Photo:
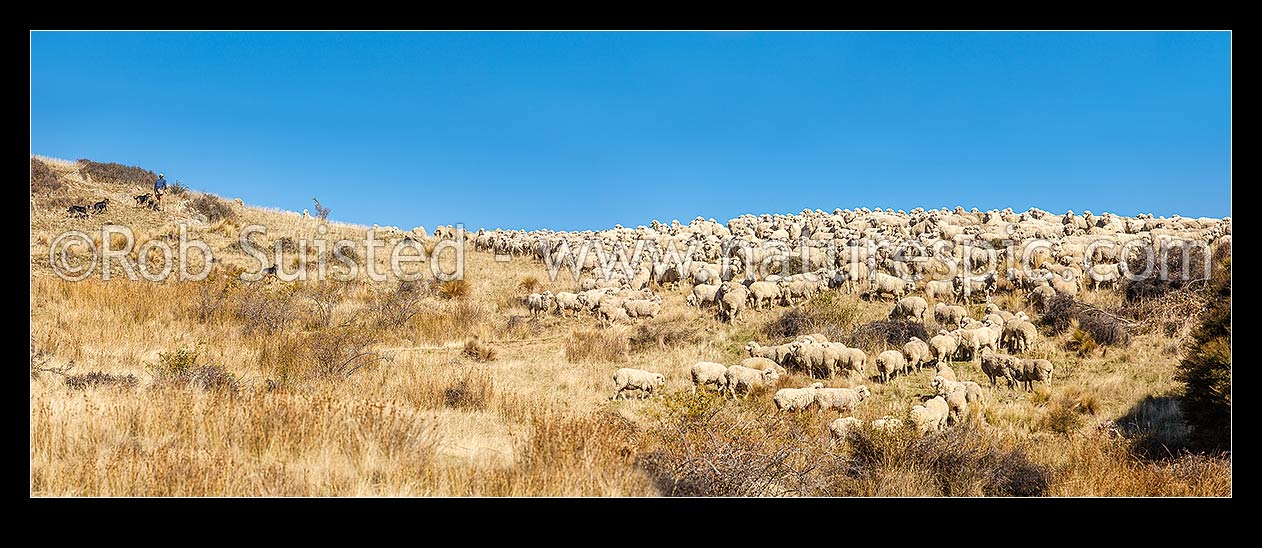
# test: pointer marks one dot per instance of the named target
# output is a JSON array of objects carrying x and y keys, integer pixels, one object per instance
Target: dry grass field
[{"x": 368, "y": 388}]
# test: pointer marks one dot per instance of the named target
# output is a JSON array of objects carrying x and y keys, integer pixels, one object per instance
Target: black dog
[
  {"x": 143, "y": 199},
  {"x": 100, "y": 206},
  {"x": 77, "y": 211}
]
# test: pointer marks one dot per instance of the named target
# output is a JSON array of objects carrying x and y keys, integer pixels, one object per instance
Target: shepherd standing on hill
[{"x": 159, "y": 188}]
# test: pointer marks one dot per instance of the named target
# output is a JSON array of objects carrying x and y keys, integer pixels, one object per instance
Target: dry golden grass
[{"x": 368, "y": 388}]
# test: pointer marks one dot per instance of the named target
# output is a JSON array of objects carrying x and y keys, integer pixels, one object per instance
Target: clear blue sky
[{"x": 585, "y": 130}]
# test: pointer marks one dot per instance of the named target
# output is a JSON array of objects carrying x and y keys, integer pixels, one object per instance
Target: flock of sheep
[
  {"x": 954, "y": 255},
  {"x": 747, "y": 263},
  {"x": 815, "y": 353}
]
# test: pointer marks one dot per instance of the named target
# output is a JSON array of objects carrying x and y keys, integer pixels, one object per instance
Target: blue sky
[{"x": 585, "y": 130}]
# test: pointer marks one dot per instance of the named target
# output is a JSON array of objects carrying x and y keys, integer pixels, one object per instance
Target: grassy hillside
[{"x": 224, "y": 387}]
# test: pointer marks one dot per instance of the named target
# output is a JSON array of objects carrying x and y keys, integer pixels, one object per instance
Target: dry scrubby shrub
[
  {"x": 673, "y": 331},
  {"x": 1090, "y": 327},
  {"x": 1057, "y": 314},
  {"x": 959, "y": 461},
  {"x": 213, "y": 208},
  {"x": 264, "y": 310},
  {"x": 596, "y": 345},
  {"x": 477, "y": 350},
  {"x": 703, "y": 448},
  {"x": 473, "y": 390},
  {"x": 826, "y": 313},
  {"x": 177, "y": 188},
  {"x": 323, "y": 297},
  {"x": 337, "y": 353},
  {"x": 179, "y": 369},
  {"x": 1152, "y": 285},
  {"x": 44, "y": 180},
  {"x": 883, "y": 334},
  {"x": 392, "y": 308},
  {"x": 98, "y": 378},
  {"x": 114, "y": 173}
]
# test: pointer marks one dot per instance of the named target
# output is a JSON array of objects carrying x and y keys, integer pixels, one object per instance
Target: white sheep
[
  {"x": 917, "y": 353},
  {"x": 943, "y": 370},
  {"x": 930, "y": 416},
  {"x": 958, "y": 395},
  {"x": 942, "y": 347},
  {"x": 1035, "y": 370},
  {"x": 949, "y": 315},
  {"x": 628, "y": 378},
  {"x": 568, "y": 302},
  {"x": 796, "y": 399},
  {"x": 890, "y": 362},
  {"x": 703, "y": 294},
  {"x": 777, "y": 353},
  {"x": 539, "y": 303},
  {"x": 910, "y": 308},
  {"x": 764, "y": 294},
  {"x": 996, "y": 366},
  {"x": 641, "y": 309},
  {"x": 763, "y": 364},
  {"x": 704, "y": 373},
  {"x": 841, "y": 398},
  {"x": 887, "y": 423},
  {"x": 738, "y": 376},
  {"x": 842, "y": 426}
]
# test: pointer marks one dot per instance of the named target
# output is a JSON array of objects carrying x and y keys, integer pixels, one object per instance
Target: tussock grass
[{"x": 597, "y": 345}]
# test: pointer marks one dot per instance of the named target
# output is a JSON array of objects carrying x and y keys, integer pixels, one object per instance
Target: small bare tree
[{"x": 322, "y": 212}]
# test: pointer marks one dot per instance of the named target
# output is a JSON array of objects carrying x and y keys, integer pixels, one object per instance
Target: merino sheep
[
  {"x": 887, "y": 423},
  {"x": 910, "y": 308},
  {"x": 1035, "y": 370},
  {"x": 930, "y": 416},
  {"x": 539, "y": 303},
  {"x": 779, "y": 353},
  {"x": 763, "y": 364},
  {"x": 996, "y": 366},
  {"x": 1041, "y": 296},
  {"x": 732, "y": 298},
  {"x": 943, "y": 370},
  {"x": 938, "y": 289},
  {"x": 975, "y": 340},
  {"x": 890, "y": 362},
  {"x": 739, "y": 376},
  {"x": 796, "y": 399},
  {"x": 917, "y": 353},
  {"x": 949, "y": 315},
  {"x": 641, "y": 309},
  {"x": 628, "y": 378},
  {"x": 703, "y": 294},
  {"x": 853, "y": 359},
  {"x": 842, "y": 426},
  {"x": 943, "y": 346},
  {"x": 884, "y": 284},
  {"x": 704, "y": 373},
  {"x": 841, "y": 398},
  {"x": 568, "y": 302},
  {"x": 815, "y": 357},
  {"x": 764, "y": 294}
]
